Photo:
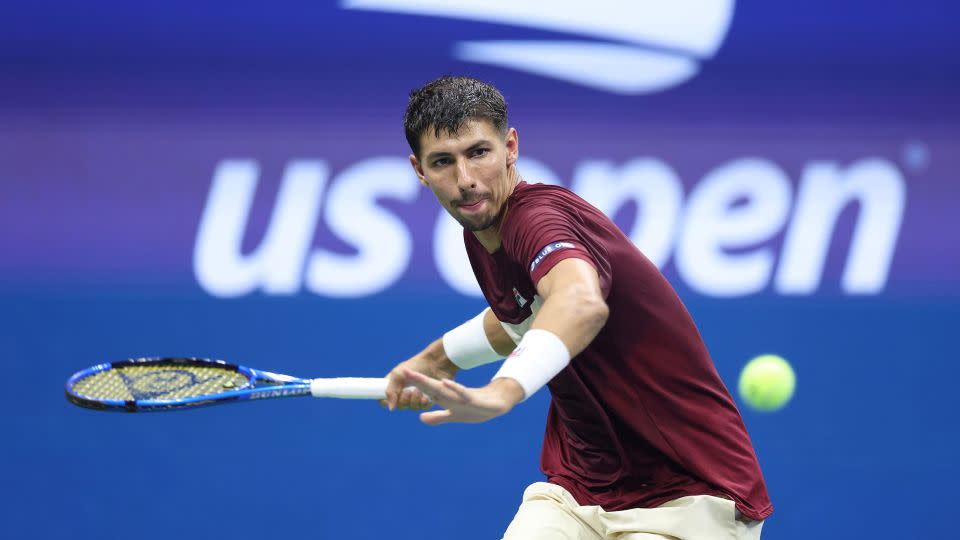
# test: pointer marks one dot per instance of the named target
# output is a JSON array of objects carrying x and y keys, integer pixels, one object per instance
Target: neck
[{"x": 489, "y": 238}]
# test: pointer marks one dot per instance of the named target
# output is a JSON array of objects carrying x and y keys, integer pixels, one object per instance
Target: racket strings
[{"x": 158, "y": 382}]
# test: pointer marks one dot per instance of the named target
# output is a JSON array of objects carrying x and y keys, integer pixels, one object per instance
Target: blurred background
[{"x": 230, "y": 180}]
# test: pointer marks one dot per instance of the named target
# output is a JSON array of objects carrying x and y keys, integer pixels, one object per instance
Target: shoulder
[
  {"x": 527, "y": 194},
  {"x": 533, "y": 202},
  {"x": 538, "y": 214}
]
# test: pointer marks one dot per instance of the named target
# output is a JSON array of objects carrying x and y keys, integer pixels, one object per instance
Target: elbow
[
  {"x": 599, "y": 312},
  {"x": 592, "y": 311}
]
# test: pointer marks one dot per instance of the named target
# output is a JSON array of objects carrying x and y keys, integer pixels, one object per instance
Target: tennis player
[{"x": 643, "y": 440}]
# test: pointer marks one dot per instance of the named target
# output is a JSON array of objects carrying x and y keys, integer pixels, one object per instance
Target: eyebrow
[{"x": 434, "y": 155}]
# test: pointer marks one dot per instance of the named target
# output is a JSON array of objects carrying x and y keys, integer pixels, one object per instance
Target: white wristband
[
  {"x": 537, "y": 359},
  {"x": 467, "y": 345}
]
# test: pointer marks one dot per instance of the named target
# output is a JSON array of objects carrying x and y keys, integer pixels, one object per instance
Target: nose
[{"x": 465, "y": 180}]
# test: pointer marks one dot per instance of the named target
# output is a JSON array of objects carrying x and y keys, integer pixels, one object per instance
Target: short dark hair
[{"x": 444, "y": 105}]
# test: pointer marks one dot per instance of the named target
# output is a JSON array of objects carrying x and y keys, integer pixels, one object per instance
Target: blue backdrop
[{"x": 230, "y": 181}]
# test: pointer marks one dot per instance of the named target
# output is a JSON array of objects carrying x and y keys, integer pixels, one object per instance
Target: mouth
[{"x": 471, "y": 205}]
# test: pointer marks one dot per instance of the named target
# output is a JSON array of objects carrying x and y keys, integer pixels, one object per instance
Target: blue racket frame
[{"x": 260, "y": 384}]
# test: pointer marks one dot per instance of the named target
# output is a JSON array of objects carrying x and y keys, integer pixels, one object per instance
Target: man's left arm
[
  {"x": 572, "y": 314},
  {"x": 573, "y": 307}
]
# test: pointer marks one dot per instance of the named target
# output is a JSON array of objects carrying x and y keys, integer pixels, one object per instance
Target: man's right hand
[{"x": 433, "y": 363}]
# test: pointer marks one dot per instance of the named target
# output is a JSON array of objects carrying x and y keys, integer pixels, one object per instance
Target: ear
[
  {"x": 512, "y": 143},
  {"x": 415, "y": 163}
]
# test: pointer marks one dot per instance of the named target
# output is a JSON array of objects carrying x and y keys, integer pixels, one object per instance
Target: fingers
[
  {"x": 430, "y": 387},
  {"x": 395, "y": 384},
  {"x": 418, "y": 400},
  {"x": 404, "y": 402},
  {"x": 459, "y": 389},
  {"x": 460, "y": 404},
  {"x": 435, "y": 418},
  {"x": 438, "y": 391},
  {"x": 410, "y": 398},
  {"x": 425, "y": 402},
  {"x": 408, "y": 389},
  {"x": 399, "y": 395}
]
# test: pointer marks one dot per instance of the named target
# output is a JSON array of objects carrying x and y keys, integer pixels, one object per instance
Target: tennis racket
[{"x": 166, "y": 384}]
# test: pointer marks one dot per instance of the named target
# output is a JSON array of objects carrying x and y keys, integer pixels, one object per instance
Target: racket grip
[{"x": 349, "y": 388}]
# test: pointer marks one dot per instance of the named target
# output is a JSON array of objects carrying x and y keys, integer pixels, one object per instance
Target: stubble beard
[
  {"x": 487, "y": 222},
  {"x": 475, "y": 227}
]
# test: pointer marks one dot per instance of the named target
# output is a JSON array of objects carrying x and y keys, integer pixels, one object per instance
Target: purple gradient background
[{"x": 112, "y": 120}]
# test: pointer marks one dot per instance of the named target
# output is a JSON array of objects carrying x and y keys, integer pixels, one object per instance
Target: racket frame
[{"x": 260, "y": 384}]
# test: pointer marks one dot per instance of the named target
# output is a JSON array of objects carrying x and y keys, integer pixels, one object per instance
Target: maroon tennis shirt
[{"x": 640, "y": 417}]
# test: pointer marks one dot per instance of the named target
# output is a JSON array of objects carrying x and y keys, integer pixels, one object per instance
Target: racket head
[{"x": 158, "y": 384}]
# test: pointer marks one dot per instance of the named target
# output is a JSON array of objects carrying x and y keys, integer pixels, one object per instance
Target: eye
[
  {"x": 480, "y": 152},
  {"x": 440, "y": 162}
]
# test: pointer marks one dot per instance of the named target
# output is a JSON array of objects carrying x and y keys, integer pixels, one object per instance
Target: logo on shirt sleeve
[{"x": 550, "y": 248}]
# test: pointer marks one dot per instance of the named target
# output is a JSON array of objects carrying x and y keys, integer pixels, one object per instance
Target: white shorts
[{"x": 549, "y": 512}]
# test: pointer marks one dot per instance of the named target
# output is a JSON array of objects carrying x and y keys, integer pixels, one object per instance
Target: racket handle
[{"x": 349, "y": 388}]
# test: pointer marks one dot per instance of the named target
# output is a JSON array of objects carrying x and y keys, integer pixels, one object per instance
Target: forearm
[
  {"x": 481, "y": 340},
  {"x": 436, "y": 362},
  {"x": 575, "y": 315},
  {"x": 496, "y": 335}
]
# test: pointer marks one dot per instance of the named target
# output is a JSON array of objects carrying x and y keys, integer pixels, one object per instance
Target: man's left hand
[{"x": 462, "y": 404}]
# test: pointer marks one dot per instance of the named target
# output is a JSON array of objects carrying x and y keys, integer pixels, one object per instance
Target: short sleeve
[{"x": 538, "y": 236}]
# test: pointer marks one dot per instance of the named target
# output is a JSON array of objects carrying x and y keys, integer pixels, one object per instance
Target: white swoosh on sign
[
  {"x": 694, "y": 27},
  {"x": 614, "y": 68}
]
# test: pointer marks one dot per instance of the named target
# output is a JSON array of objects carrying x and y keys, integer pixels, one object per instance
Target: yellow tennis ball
[{"x": 767, "y": 383}]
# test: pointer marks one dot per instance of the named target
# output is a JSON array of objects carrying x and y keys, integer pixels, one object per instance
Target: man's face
[{"x": 468, "y": 171}]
